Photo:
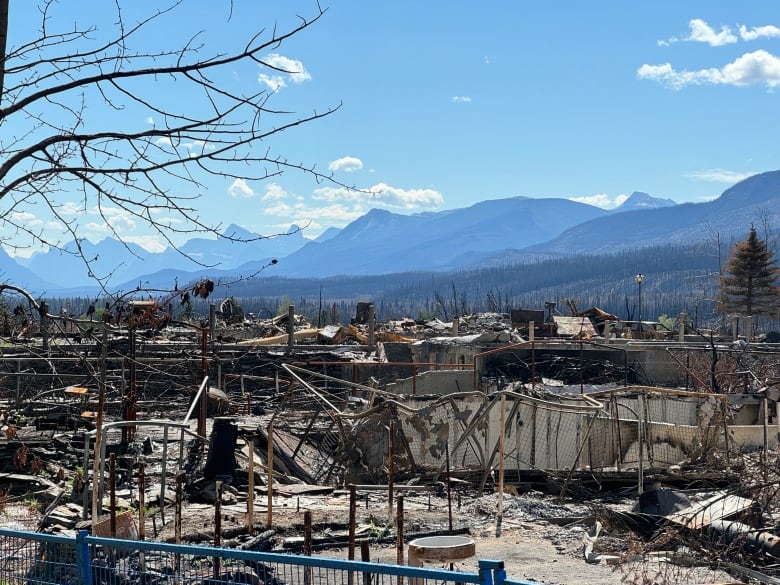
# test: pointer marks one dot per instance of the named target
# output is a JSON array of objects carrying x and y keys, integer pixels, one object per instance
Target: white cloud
[
  {"x": 348, "y": 164},
  {"x": 701, "y": 32},
  {"x": 279, "y": 208},
  {"x": 335, "y": 206},
  {"x": 461, "y": 99},
  {"x": 756, "y": 32},
  {"x": 109, "y": 221},
  {"x": 240, "y": 188},
  {"x": 149, "y": 243},
  {"x": 602, "y": 200},
  {"x": 298, "y": 212},
  {"x": 408, "y": 198},
  {"x": 194, "y": 145},
  {"x": 335, "y": 214},
  {"x": 26, "y": 218},
  {"x": 383, "y": 195},
  {"x": 282, "y": 70},
  {"x": 274, "y": 192},
  {"x": 756, "y": 68},
  {"x": 488, "y": 61},
  {"x": 719, "y": 176}
]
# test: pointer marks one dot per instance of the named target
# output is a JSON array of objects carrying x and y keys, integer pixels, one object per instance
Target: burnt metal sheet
[
  {"x": 716, "y": 507},
  {"x": 598, "y": 313},
  {"x": 574, "y": 326},
  {"x": 295, "y": 489},
  {"x": 526, "y": 316}
]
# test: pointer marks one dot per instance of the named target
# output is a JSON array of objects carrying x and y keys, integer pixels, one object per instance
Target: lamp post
[{"x": 638, "y": 279}]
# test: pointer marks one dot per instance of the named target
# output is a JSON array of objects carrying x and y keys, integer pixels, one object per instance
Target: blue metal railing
[{"x": 32, "y": 558}]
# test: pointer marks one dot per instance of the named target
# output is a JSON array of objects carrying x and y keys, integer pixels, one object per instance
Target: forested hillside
[{"x": 677, "y": 278}]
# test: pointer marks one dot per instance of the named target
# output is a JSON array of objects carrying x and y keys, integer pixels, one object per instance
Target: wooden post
[
  {"x": 141, "y": 501},
  {"x": 97, "y": 503},
  {"x": 390, "y": 468},
  {"x": 130, "y": 405},
  {"x": 250, "y": 490},
  {"x": 44, "y": 319},
  {"x": 765, "y": 454},
  {"x": 641, "y": 437},
  {"x": 307, "y": 533},
  {"x": 290, "y": 328},
  {"x": 501, "y": 433},
  {"x": 177, "y": 509},
  {"x": 112, "y": 492},
  {"x": 164, "y": 472},
  {"x": 352, "y": 521},
  {"x": 449, "y": 483},
  {"x": 365, "y": 556},
  {"x": 204, "y": 397},
  {"x": 371, "y": 326},
  {"x": 217, "y": 525},
  {"x": 270, "y": 476},
  {"x": 307, "y": 545},
  {"x": 399, "y": 544},
  {"x": 177, "y": 517}
]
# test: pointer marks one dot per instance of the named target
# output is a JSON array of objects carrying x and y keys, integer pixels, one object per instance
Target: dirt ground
[
  {"x": 542, "y": 552},
  {"x": 533, "y": 549},
  {"x": 547, "y": 554}
]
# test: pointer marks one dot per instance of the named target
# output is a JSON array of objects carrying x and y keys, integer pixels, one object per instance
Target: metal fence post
[
  {"x": 491, "y": 572},
  {"x": 83, "y": 560}
]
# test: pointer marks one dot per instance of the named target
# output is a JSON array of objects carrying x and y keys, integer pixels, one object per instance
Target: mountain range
[{"x": 515, "y": 229}]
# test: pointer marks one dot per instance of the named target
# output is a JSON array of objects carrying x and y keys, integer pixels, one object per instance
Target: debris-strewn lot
[{"x": 617, "y": 484}]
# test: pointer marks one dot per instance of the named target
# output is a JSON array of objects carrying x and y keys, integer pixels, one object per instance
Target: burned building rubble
[{"x": 567, "y": 405}]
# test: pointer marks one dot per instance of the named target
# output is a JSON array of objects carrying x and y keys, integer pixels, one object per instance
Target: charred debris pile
[{"x": 140, "y": 425}]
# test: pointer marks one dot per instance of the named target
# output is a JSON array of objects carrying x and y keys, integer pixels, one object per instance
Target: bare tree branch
[{"x": 55, "y": 157}]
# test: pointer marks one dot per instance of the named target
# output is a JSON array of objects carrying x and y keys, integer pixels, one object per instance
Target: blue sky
[{"x": 444, "y": 104}]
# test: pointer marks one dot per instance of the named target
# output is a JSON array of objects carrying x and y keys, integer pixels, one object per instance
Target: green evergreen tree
[{"x": 748, "y": 284}]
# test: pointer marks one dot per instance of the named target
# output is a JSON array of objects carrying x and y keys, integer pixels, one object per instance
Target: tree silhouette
[
  {"x": 748, "y": 284},
  {"x": 101, "y": 114}
]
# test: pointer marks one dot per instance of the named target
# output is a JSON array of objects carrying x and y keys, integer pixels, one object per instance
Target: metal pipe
[
  {"x": 397, "y": 487},
  {"x": 196, "y": 400}
]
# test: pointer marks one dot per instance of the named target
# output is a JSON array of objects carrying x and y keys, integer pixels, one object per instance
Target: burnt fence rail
[{"x": 33, "y": 558}]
